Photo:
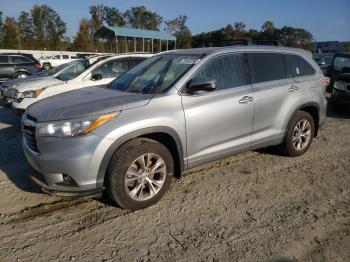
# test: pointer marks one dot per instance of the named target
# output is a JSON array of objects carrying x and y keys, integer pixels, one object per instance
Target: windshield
[
  {"x": 156, "y": 74},
  {"x": 341, "y": 62},
  {"x": 72, "y": 72}
]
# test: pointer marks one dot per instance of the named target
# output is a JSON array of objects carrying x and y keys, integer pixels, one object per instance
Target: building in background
[{"x": 331, "y": 47}]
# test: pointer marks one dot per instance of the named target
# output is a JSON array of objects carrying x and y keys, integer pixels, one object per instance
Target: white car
[
  {"x": 74, "y": 77},
  {"x": 42, "y": 78},
  {"x": 56, "y": 60}
]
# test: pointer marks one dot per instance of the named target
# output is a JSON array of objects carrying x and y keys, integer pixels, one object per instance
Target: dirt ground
[{"x": 257, "y": 206}]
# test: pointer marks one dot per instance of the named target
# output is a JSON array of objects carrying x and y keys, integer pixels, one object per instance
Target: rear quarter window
[
  {"x": 4, "y": 59},
  {"x": 267, "y": 67},
  {"x": 20, "y": 59},
  {"x": 298, "y": 66}
]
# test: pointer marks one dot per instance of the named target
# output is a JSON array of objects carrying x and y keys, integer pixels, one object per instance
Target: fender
[
  {"x": 309, "y": 104},
  {"x": 141, "y": 132}
]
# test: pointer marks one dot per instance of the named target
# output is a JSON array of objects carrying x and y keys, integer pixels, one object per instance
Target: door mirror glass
[
  {"x": 201, "y": 84},
  {"x": 96, "y": 77}
]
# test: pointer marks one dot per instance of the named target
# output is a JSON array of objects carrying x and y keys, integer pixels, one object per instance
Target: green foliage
[
  {"x": 287, "y": 36},
  {"x": 11, "y": 34},
  {"x": 114, "y": 17},
  {"x": 98, "y": 16},
  {"x": 179, "y": 29},
  {"x": 48, "y": 28},
  {"x": 84, "y": 40},
  {"x": 141, "y": 17},
  {"x": 25, "y": 27}
]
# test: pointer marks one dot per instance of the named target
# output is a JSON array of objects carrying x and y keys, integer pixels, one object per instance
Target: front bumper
[{"x": 77, "y": 158}]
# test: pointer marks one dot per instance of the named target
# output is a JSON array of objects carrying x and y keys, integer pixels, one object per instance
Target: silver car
[{"x": 172, "y": 112}]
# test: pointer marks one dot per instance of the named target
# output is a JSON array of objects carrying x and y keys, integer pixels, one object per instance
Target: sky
[{"x": 326, "y": 20}]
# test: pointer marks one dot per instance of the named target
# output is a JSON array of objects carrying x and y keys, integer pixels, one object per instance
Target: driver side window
[
  {"x": 228, "y": 71},
  {"x": 111, "y": 69}
]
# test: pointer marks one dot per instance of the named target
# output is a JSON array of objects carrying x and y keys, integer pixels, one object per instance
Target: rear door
[
  {"x": 219, "y": 123},
  {"x": 276, "y": 93},
  {"x": 6, "y": 68},
  {"x": 23, "y": 63}
]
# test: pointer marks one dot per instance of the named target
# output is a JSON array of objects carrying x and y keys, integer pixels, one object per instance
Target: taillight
[
  {"x": 38, "y": 66},
  {"x": 325, "y": 81}
]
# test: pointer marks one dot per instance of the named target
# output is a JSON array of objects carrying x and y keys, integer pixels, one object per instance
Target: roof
[
  {"x": 209, "y": 50},
  {"x": 132, "y": 32}
]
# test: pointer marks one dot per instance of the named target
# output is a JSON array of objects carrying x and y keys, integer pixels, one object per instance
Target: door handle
[
  {"x": 246, "y": 100},
  {"x": 293, "y": 88}
]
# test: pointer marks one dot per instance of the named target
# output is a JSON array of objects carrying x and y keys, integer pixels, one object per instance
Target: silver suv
[{"x": 172, "y": 112}]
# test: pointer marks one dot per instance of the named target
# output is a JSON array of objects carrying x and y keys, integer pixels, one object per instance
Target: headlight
[
  {"x": 32, "y": 93},
  {"x": 74, "y": 127},
  {"x": 340, "y": 85}
]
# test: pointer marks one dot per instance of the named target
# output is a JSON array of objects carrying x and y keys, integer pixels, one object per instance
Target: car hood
[
  {"x": 37, "y": 83},
  {"x": 28, "y": 79},
  {"x": 85, "y": 102}
]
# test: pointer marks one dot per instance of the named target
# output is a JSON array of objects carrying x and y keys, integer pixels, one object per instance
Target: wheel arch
[
  {"x": 164, "y": 135},
  {"x": 313, "y": 109},
  {"x": 21, "y": 71}
]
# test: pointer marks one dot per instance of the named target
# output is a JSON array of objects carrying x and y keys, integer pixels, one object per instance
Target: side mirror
[
  {"x": 201, "y": 84},
  {"x": 96, "y": 77}
]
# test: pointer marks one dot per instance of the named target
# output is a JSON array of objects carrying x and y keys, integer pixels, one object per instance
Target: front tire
[
  {"x": 139, "y": 174},
  {"x": 299, "y": 135}
]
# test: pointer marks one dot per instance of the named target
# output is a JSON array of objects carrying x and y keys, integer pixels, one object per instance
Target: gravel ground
[{"x": 257, "y": 206}]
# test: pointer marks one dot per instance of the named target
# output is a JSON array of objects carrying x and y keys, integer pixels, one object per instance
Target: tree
[
  {"x": 239, "y": 29},
  {"x": 229, "y": 33},
  {"x": 49, "y": 29},
  {"x": 1, "y": 29},
  {"x": 114, "y": 17},
  {"x": 179, "y": 29},
  {"x": 25, "y": 27},
  {"x": 11, "y": 36},
  {"x": 141, "y": 17},
  {"x": 84, "y": 40},
  {"x": 98, "y": 16}
]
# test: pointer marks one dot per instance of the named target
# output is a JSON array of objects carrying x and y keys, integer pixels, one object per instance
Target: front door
[{"x": 219, "y": 123}]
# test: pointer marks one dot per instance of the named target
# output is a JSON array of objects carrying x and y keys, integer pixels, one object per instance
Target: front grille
[{"x": 28, "y": 130}]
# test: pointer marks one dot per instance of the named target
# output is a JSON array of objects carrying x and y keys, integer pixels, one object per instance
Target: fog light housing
[{"x": 67, "y": 181}]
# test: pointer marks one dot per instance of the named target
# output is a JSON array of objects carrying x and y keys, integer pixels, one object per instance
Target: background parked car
[
  {"x": 55, "y": 60},
  {"x": 74, "y": 77},
  {"x": 40, "y": 78},
  {"x": 17, "y": 66},
  {"x": 340, "y": 65},
  {"x": 340, "y": 98}
]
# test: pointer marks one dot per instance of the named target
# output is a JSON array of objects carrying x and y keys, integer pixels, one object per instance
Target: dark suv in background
[{"x": 17, "y": 66}]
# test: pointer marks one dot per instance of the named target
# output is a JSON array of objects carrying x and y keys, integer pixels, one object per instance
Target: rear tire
[
  {"x": 20, "y": 75},
  {"x": 47, "y": 66},
  {"x": 299, "y": 135},
  {"x": 130, "y": 181}
]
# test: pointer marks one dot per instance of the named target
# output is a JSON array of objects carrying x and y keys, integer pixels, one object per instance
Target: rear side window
[
  {"x": 297, "y": 66},
  {"x": 65, "y": 56},
  {"x": 134, "y": 62},
  {"x": 267, "y": 67},
  {"x": 4, "y": 59},
  {"x": 20, "y": 59},
  {"x": 228, "y": 71}
]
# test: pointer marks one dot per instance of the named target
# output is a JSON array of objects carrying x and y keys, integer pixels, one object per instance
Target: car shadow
[{"x": 12, "y": 160}]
